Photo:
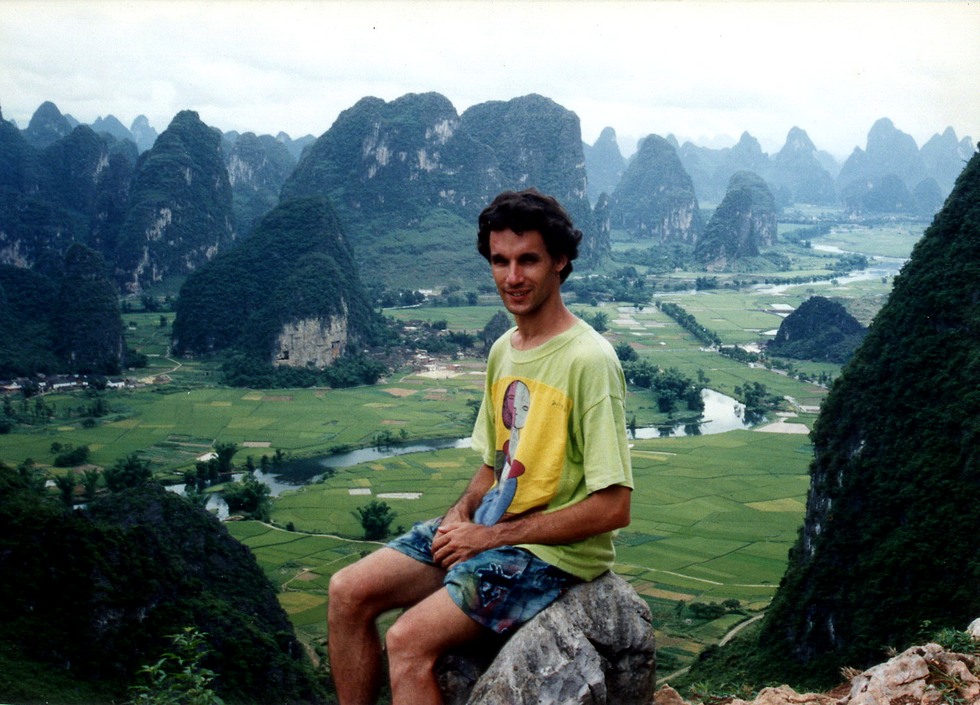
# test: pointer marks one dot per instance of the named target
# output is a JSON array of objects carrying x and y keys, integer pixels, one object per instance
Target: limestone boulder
[
  {"x": 593, "y": 646},
  {"x": 924, "y": 674}
]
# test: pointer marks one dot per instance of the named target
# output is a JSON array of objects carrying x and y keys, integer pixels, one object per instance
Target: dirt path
[{"x": 724, "y": 640}]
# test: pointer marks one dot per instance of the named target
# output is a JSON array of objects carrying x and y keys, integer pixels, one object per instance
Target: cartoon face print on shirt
[
  {"x": 516, "y": 407},
  {"x": 513, "y": 412},
  {"x": 531, "y": 436}
]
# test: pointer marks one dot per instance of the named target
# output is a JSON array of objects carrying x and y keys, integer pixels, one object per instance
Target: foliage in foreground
[{"x": 178, "y": 677}]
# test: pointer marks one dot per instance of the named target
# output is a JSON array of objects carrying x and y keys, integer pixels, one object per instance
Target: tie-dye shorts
[{"x": 501, "y": 588}]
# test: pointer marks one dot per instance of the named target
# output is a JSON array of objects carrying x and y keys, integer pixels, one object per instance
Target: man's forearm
[
  {"x": 602, "y": 511},
  {"x": 464, "y": 507}
]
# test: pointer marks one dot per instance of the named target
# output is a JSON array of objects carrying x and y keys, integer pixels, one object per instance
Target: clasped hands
[{"x": 457, "y": 540}]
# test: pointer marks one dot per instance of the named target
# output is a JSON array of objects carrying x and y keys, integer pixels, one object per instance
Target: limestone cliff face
[
  {"x": 311, "y": 341},
  {"x": 655, "y": 199},
  {"x": 290, "y": 294},
  {"x": 258, "y": 166}
]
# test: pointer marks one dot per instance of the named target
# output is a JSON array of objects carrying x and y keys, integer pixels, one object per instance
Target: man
[{"x": 539, "y": 514}]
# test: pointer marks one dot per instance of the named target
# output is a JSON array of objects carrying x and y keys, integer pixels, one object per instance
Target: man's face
[{"x": 526, "y": 276}]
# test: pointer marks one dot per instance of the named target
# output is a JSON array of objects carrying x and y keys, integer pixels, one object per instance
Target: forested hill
[
  {"x": 655, "y": 200},
  {"x": 742, "y": 226},
  {"x": 889, "y": 542},
  {"x": 820, "y": 329},
  {"x": 91, "y": 596},
  {"x": 408, "y": 178},
  {"x": 296, "y": 267},
  {"x": 62, "y": 317},
  {"x": 179, "y": 213}
]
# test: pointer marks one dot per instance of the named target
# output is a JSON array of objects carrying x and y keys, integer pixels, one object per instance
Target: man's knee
[
  {"x": 347, "y": 593},
  {"x": 405, "y": 643}
]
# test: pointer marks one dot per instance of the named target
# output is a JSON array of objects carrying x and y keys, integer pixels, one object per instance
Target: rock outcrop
[
  {"x": 594, "y": 645},
  {"x": 921, "y": 675},
  {"x": 312, "y": 341}
]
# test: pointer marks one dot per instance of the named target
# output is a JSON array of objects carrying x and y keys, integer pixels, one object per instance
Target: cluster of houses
[{"x": 42, "y": 384}]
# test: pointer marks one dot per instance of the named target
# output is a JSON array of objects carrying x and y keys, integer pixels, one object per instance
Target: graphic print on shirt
[{"x": 531, "y": 421}]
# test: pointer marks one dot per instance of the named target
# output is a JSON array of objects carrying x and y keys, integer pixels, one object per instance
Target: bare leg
[
  {"x": 418, "y": 639},
  {"x": 359, "y": 594}
]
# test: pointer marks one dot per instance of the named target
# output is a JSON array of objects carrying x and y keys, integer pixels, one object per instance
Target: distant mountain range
[{"x": 407, "y": 178}]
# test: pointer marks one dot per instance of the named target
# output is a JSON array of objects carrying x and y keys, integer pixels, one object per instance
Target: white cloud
[{"x": 691, "y": 68}]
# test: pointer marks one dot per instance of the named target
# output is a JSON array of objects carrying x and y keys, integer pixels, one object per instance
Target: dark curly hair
[{"x": 523, "y": 211}]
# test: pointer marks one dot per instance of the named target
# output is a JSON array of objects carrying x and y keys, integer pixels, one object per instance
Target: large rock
[{"x": 594, "y": 645}]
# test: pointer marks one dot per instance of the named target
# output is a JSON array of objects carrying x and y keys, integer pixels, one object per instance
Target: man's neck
[{"x": 536, "y": 330}]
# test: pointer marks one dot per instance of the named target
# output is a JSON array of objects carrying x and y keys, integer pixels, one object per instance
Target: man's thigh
[
  {"x": 432, "y": 627},
  {"x": 387, "y": 579}
]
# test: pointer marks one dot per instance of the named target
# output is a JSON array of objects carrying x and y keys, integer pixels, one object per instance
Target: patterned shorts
[{"x": 501, "y": 588}]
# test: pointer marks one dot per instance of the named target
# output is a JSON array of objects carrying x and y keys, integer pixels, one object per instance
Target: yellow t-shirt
[{"x": 553, "y": 426}]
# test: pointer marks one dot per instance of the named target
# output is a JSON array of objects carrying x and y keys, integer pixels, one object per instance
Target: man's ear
[{"x": 561, "y": 263}]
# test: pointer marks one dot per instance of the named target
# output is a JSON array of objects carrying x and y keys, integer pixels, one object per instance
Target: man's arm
[
  {"x": 602, "y": 511},
  {"x": 464, "y": 507}
]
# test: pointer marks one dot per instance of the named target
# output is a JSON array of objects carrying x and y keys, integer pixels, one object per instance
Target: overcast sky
[{"x": 698, "y": 70}]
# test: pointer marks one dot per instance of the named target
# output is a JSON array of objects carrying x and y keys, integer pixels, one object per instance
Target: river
[{"x": 878, "y": 267}]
